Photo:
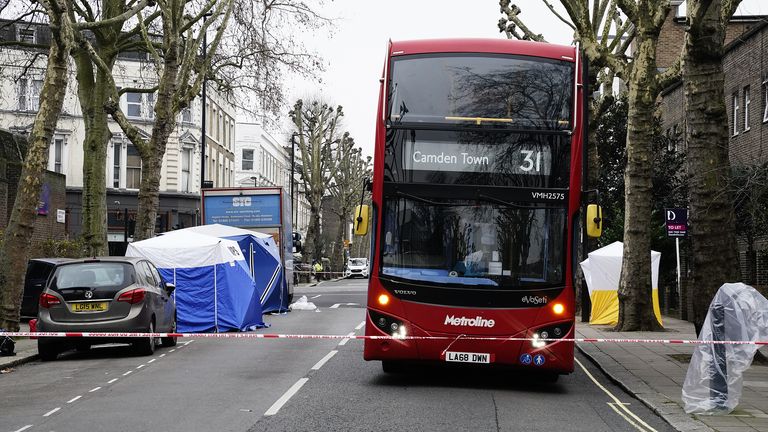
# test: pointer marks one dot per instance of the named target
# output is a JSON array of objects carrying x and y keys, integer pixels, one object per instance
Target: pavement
[{"x": 654, "y": 373}]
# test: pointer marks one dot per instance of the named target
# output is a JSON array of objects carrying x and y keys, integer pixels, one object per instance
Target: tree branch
[{"x": 119, "y": 19}]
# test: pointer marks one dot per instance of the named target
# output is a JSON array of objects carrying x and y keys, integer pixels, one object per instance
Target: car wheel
[
  {"x": 47, "y": 350},
  {"x": 146, "y": 346},
  {"x": 170, "y": 341}
]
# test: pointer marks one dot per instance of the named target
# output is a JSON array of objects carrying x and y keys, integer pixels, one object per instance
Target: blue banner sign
[{"x": 245, "y": 211}]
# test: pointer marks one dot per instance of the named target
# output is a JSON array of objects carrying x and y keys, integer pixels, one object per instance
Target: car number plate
[
  {"x": 467, "y": 357},
  {"x": 89, "y": 307}
]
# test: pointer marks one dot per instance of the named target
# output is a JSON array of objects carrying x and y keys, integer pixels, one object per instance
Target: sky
[{"x": 354, "y": 52}]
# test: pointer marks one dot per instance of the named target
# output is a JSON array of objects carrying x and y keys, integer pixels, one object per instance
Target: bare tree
[
  {"x": 243, "y": 60},
  {"x": 713, "y": 237},
  {"x": 316, "y": 127},
  {"x": 17, "y": 238},
  {"x": 99, "y": 38},
  {"x": 645, "y": 83},
  {"x": 347, "y": 189}
]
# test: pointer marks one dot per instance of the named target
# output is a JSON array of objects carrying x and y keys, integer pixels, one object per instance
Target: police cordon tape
[{"x": 246, "y": 335}]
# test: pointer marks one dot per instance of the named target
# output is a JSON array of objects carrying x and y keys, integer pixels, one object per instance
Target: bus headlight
[
  {"x": 546, "y": 335},
  {"x": 389, "y": 325}
]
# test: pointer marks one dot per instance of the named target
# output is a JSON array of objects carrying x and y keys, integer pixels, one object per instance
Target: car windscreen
[
  {"x": 112, "y": 275},
  {"x": 357, "y": 262},
  {"x": 501, "y": 90}
]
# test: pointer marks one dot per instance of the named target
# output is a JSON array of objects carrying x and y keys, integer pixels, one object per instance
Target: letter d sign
[{"x": 670, "y": 215}]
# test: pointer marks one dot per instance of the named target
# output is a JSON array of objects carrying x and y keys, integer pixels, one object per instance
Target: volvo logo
[{"x": 89, "y": 294}]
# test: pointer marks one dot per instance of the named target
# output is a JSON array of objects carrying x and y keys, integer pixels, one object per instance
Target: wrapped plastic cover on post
[{"x": 713, "y": 383}]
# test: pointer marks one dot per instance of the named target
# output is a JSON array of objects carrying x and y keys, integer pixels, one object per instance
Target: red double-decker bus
[{"x": 476, "y": 197}]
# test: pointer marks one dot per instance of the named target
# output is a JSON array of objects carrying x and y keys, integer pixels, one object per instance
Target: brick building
[
  {"x": 49, "y": 223},
  {"x": 672, "y": 36},
  {"x": 746, "y": 88}
]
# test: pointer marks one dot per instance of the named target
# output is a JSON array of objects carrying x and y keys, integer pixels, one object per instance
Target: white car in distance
[{"x": 356, "y": 267}]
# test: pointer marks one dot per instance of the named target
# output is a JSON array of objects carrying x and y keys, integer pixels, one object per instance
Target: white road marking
[
  {"x": 322, "y": 361},
  {"x": 111, "y": 381},
  {"x": 74, "y": 399},
  {"x": 346, "y": 339},
  {"x": 162, "y": 355},
  {"x": 94, "y": 389},
  {"x": 172, "y": 350},
  {"x": 23, "y": 428},
  {"x": 140, "y": 366},
  {"x": 51, "y": 411},
  {"x": 359, "y": 326},
  {"x": 316, "y": 296},
  {"x": 336, "y": 305},
  {"x": 636, "y": 426},
  {"x": 618, "y": 403},
  {"x": 151, "y": 361},
  {"x": 127, "y": 373},
  {"x": 285, "y": 397}
]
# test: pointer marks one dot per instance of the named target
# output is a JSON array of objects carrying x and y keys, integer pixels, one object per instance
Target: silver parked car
[{"x": 109, "y": 294}]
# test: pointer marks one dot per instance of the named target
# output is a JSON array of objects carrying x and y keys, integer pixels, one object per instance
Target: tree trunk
[
  {"x": 338, "y": 255},
  {"x": 93, "y": 95},
  {"x": 18, "y": 234},
  {"x": 713, "y": 239},
  {"x": 635, "y": 304}
]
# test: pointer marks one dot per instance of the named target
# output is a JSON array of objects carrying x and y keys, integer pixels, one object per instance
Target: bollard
[{"x": 719, "y": 368}]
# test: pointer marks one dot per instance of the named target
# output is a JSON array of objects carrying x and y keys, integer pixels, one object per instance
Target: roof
[{"x": 491, "y": 46}]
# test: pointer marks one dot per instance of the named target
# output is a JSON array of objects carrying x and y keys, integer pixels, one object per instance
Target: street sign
[{"x": 676, "y": 221}]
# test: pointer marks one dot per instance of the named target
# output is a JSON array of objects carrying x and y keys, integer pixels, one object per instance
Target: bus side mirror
[
  {"x": 361, "y": 220},
  {"x": 594, "y": 220}
]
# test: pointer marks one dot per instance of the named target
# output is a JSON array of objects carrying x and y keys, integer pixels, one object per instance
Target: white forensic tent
[{"x": 602, "y": 271}]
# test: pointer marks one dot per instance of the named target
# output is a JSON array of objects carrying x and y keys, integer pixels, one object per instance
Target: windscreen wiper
[{"x": 515, "y": 205}]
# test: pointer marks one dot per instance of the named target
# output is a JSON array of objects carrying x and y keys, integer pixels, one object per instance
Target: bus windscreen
[
  {"x": 481, "y": 89},
  {"x": 472, "y": 244}
]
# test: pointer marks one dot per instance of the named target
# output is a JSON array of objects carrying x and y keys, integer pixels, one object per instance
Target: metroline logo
[{"x": 469, "y": 322}]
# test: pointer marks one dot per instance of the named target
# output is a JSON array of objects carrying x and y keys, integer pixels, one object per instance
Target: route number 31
[{"x": 531, "y": 161}]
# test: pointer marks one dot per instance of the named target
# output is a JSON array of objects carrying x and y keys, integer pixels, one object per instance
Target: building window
[
  {"x": 132, "y": 168},
  {"x": 765, "y": 101},
  {"x": 247, "y": 159},
  {"x": 140, "y": 105},
  {"x": 735, "y": 101},
  {"x": 116, "y": 165},
  {"x": 58, "y": 155},
  {"x": 746, "y": 108},
  {"x": 186, "y": 164},
  {"x": 134, "y": 104},
  {"x": 29, "y": 94},
  {"x": 186, "y": 114},
  {"x": 26, "y": 35}
]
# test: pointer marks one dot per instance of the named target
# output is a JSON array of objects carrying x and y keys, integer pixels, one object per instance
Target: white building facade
[
  {"x": 262, "y": 161},
  {"x": 20, "y": 84}
]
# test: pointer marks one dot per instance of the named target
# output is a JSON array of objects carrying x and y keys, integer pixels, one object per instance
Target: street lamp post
[
  {"x": 202, "y": 129},
  {"x": 294, "y": 201}
]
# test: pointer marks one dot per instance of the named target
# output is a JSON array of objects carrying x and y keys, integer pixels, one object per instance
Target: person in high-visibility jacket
[{"x": 318, "y": 268}]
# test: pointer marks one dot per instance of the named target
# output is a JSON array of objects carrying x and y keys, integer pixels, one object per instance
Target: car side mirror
[{"x": 169, "y": 288}]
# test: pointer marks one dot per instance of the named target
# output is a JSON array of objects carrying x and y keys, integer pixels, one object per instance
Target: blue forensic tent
[
  {"x": 214, "y": 288},
  {"x": 263, "y": 258}
]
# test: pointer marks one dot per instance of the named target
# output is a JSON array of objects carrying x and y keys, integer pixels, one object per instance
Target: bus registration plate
[{"x": 467, "y": 357}]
